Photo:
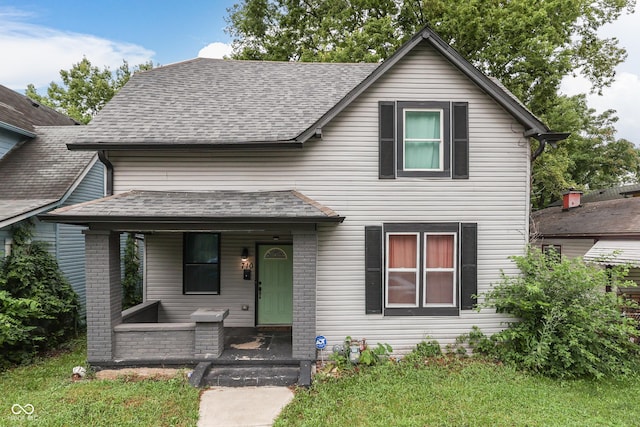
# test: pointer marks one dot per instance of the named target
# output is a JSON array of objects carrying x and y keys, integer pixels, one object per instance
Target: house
[
  {"x": 601, "y": 227},
  {"x": 362, "y": 200},
  {"x": 38, "y": 174}
]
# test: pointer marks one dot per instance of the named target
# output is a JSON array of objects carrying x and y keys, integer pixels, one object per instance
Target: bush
[
  {"x": 567, "y": 326},
  {"x": 39, "y": 307}
]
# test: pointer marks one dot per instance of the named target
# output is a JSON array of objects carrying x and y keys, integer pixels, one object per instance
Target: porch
[{"x": 208, "y": 255}]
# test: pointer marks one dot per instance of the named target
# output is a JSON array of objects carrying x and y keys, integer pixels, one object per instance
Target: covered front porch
[{"x": 196, "y": 305}]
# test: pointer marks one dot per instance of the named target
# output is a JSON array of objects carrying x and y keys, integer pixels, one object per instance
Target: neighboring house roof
[
  {"x": 178, "y": 207},
  {"x": 615, "y": 252},
  {"x": 222, "y": 103},
  {"x": 21, "y": 114},
  {"x": 40, "y": 172},
  {"x": 607, "y": 218},
  {"x": 611, "y": 193}
]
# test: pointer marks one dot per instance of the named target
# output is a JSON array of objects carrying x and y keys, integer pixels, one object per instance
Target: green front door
[{"x": 275, "y": 284}]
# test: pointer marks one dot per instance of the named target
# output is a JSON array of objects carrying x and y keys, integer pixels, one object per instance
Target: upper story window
[
  {"x": 201, "y": 267},
  {"x": 423, "y": 139},
  {"x": 423, "y": 143}
]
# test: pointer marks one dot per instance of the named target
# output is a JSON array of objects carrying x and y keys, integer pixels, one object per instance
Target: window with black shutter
[
  {"x": 427, "y": 269},
  {"x": 423, "y": 139}
]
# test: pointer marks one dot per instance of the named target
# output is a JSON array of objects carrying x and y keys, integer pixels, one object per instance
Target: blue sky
[{"x": 38, "y": 38}]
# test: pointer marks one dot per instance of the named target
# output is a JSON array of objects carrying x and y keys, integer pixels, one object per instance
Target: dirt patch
[
  {"x": 251, "y": 345},
  {"x": 140, "y": 373}
]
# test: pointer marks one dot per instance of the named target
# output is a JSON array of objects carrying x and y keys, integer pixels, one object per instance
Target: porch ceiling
[{"x": 175, "y": 207}]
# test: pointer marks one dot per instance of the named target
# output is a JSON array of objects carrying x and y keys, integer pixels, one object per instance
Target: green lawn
[
  {"x": 59, "y": 401},
  {"x": 466, "y": 393},
  {"x": 458, "y": 393}
]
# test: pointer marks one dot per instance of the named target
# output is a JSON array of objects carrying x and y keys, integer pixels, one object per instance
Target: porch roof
[{"x": 171, "y": 207}]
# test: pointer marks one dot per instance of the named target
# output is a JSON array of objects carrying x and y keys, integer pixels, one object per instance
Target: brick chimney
[{"x": 571, "y": 199}]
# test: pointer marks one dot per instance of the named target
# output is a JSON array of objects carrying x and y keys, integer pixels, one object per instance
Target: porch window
[{"x": 201, "y": 272}]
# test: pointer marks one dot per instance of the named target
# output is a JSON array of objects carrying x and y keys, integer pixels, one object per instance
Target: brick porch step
[{"x": 251, "y": 375}]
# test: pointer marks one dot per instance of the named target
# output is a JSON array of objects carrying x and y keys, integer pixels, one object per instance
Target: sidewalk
[{"x": 242, "y": 406}]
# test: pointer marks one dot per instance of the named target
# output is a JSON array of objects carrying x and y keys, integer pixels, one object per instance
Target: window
[
  {"x": 420, "y": 268},
  {"x": 423, "y": 147},
  {"x": 201, "y": 273},
  {"x": 423, "y": 139},
  {"x": 431, "y": 254},
  {"x": 548, "y": 249}
]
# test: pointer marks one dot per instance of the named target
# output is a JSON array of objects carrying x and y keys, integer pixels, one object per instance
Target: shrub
[
  {"x": 423, "y": 351},
  {"x": 39, "y": 307},
  {"x": 565, "y": 325}
]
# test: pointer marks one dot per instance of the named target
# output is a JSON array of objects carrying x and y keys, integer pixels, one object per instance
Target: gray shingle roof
[
  {"x": 40, "y": 170},
  {"x": 22, "y": 112},
  {"x": 178, "y": 207},
  {"x": 613, "y": 218},
  {"x": 222, "y": 101}
]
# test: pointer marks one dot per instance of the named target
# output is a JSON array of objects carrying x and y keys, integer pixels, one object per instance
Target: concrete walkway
[{"x": 242, "y": 406}]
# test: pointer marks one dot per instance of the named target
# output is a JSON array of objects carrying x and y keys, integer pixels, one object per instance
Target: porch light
[{"x": 245, "y": 254}]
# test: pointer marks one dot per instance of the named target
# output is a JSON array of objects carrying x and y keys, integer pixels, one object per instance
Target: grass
[
  {"x": 59, "y": 401},
  {"x": 461, "y": 393}
]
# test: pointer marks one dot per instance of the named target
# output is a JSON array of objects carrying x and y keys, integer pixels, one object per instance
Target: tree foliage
[
  {"x": 565, "y": 325},
  {"x": 39, "y": 307},
  {"x": 529, "y": 45},
  {"x": 85, "y": 88},
  {"x": 132, "y": 282}
]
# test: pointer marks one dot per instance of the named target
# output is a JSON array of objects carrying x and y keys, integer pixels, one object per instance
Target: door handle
[{"x": 259, "y": 290}]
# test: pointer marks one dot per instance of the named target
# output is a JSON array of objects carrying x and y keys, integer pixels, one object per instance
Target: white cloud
[
  {"x": 35, "y": 54},
  {"x": 215, "y": 50}
]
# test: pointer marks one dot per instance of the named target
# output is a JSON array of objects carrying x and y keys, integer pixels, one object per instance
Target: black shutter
[
  {"x": 373, "y": 269},
  {"x": 386, "y": 134},
  {"x": 469, "y": 262},
  {"x": 460, "y": 140}
]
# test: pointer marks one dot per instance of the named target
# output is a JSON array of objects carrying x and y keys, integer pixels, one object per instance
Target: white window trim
[
  {"x": 454, "y": 270},
  {"x": 402, "y": 270},
  {"x": 440, "y": 112}
]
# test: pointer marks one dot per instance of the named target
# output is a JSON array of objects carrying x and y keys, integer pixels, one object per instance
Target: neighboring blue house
[{"x": 38, "y": 174}]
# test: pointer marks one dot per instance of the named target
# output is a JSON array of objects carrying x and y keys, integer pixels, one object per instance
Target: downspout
[{"x": 102, "y": 155}]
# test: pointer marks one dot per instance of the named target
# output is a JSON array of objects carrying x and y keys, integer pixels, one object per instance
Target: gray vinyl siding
[
  {"x": 570, "y": 248},
  {"x": 70, "y": 251},
  {"x": 634, "y": 274},
  {"x": 341, "y": 171},
  {"x": 164, "y": 278},
  {"x": 8, "y": 140}
]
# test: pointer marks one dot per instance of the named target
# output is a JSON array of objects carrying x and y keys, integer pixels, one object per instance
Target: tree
[
  {"x": 529, "y": 45},
  {"x": 132, "y": 281},
  {"x": 590, "y": 159},
  {"x": 85, "y": 89}
]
